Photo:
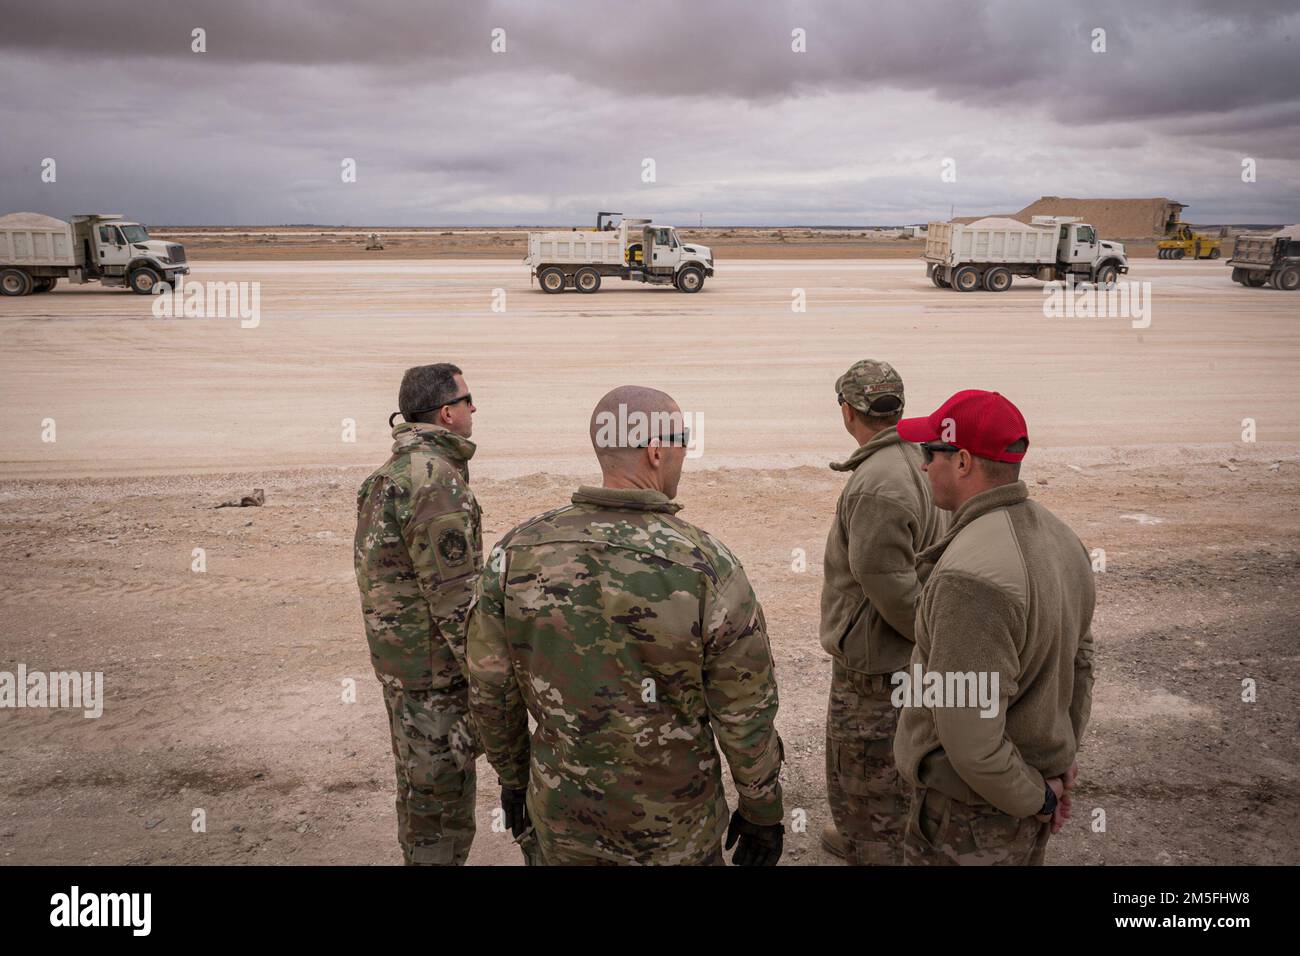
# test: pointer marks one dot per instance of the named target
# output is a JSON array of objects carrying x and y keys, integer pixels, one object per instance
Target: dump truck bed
[
  {"x": 1253, "y": 251},
  {"x": 575, "y": 247},
  {"x": 28, "y": 239},
  {"x": 950, "y": 243}
]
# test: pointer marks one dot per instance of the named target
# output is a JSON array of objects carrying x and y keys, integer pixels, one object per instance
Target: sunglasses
[
  {"x": 467, "y": 398},
  {"x": 930, "y": 448},
  {"x": 682, "y": 438}
]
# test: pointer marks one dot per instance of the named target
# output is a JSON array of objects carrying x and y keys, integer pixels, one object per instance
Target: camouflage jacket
[
  {"x": 633, "y": 639},
  {"x": 418, "y": 551}
]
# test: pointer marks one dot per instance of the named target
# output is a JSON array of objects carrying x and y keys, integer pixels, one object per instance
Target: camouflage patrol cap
[{"x": 866, "y": 383}]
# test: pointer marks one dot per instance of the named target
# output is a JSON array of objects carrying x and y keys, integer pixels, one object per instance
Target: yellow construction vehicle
[{"x": 1181, "y": 242}]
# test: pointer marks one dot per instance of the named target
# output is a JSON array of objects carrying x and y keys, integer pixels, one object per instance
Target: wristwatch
[{"x": 1049, "y": 801}]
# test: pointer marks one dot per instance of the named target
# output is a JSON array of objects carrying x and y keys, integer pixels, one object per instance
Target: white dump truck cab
[
  {"x": 120, "y": 250},
  {"x": 1079, "y": 249}
]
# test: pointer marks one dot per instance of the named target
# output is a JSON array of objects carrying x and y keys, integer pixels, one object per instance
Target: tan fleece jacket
[
  {"x": 883, "y": 518},
  {"x": 1009, "y": 590}
]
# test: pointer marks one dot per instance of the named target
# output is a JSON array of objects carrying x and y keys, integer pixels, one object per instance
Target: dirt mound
[
  {"x": 1112, "y": 218},
  {"x": 999, "y": 222},
  {"x": 30, "y": 220}
]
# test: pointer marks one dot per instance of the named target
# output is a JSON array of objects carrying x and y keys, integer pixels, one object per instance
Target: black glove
[
  {"x": 759, "y": 846},
  {"x": 516, "y": 810}
]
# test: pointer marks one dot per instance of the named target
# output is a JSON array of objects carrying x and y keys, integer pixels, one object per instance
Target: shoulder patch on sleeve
[
  {"x": 453, "y": 550},
  {"x": 453, "y": 546}
]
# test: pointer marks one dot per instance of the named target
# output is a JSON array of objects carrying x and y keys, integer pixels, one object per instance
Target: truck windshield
[{"x": 135, "y": 233}]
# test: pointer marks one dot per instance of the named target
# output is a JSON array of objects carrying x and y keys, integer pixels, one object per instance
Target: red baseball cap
[{"x": 984, "y": 423}]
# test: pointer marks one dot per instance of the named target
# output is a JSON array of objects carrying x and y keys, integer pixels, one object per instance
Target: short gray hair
[
  {"x": 1004, "y": 472},
  {"x": 426, "y": 386}
]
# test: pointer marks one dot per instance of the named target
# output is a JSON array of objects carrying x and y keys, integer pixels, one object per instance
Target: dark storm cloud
[
  {"x": 742, "y": 129},
  {"x": 1163, "y": 58}
]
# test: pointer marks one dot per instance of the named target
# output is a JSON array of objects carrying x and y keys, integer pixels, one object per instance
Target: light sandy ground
[
  {"x": 224, "y": 687},
  {"x": 132, "y": 393}
]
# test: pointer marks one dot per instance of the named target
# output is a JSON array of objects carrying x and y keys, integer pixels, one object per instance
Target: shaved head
[{"x": 623, "y": 425}]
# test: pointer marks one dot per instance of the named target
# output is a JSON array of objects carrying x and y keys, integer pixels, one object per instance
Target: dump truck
[
  {"x": 1182, "y": 242},
  {"x": 37, "y": 251},
  {"x": 1275, "y": 258},
  {"x": 636, "y": 250},
  {"x": 987, "y": 253}
]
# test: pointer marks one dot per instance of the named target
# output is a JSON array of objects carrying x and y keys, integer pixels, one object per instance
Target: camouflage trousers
[
  {"x": 946, "y": 832},
  {"x": 434, "y": 753},
  {"x": 868, "y": 798}
]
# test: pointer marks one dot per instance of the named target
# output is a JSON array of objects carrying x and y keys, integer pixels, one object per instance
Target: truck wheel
[
  {"x": 50, "y": 283},
  {"x": 15, "y": 282},
  {"x": 587, "y": 280},
  {"x": 551, "y": 280},
  {"x": 1215, "y": 253},
  {"x": 690, "y": 279},
  {"x": 937, "y": 278},
  {"x": 42, "y": 285},
  {"x": 144, "y": 281},
  {"x": 1106, "y": 276},
  {"x": 998, "y": 279},
  {"x": 1287, "y": 279},
  {"x": 966, "y": 279},
  {"x": 1253, "y": 279}
]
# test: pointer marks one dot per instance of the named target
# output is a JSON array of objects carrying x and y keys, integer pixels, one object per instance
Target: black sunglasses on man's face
[
  {"x": 466, "y": 398},
  {"x": 930, "y": 448},
  {"x": 682, "y": 438}
]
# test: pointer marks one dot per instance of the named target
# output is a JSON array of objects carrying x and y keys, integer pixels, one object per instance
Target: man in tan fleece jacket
[
  {"x": 1004, "y": 617},
  {"x": 883, "y": 518}
]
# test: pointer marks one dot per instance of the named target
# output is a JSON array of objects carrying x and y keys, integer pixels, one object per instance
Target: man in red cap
[{"x": 1007, "y": 604}]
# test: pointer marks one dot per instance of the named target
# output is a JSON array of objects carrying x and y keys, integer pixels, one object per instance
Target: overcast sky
[{"x": 742, "y": 129}]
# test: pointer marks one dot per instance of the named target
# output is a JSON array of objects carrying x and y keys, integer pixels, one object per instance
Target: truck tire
[
  {"x": 145, "y": 281},
  {"x": 998, "y": 279},
  {"x": 50, "y": 283},
  {"x": 1287, "y": 279},
  {"x": 587, "y": 280},
  {"x": 937, "y": 278},
  {"x": 15, "y": 282},
  {"x": 690, "y": 279},
  {"x": 1106, "y": 276},
  {"x": 1215, "y": 253},
  {"x": 1253, "y": 279},
  {"x": 966, "y": 279},
  {"x": 1237, "y": 276},
  {"x": 41, "y": 284},
  {"x": 551, "y": 279}
]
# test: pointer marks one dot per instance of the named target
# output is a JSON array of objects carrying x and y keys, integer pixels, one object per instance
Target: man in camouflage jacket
[
  {"x": 418, "y": 551},
  {"x": 635, "y": 642}
]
